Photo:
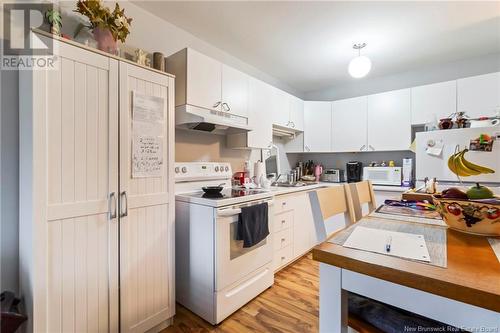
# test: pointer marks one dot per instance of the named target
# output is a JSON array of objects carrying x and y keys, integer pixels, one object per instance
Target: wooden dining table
[{"x": 465, "y": 294}]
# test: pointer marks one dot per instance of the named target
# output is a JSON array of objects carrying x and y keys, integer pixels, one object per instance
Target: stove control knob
[
  {"x": 184, "y": 170},
  {"x": 177, "y": 170},
  {"x": 216, "y": 169},
  {"x": 226, "y": 169},
  {"x": 221, "y": 168}
]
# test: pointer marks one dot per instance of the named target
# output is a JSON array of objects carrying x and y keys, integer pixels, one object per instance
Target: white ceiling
[{"x": 308, "y": 45}]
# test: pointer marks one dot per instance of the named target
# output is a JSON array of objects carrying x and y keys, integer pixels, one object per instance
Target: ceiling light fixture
[{"x": 361, "y": 65}]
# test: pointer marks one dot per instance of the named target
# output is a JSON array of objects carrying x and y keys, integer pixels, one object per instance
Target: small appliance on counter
[
  {"x": 383, "y": 175},
  {"x": 353, "y": 171},
  {"x": 407, "y": 172},
  {"x": 332, "y": 176}
]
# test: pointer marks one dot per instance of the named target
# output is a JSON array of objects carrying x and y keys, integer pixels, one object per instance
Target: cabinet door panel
[
  {"x": 258, "y": 117},
  {"x": 235, "y": 90},
  {"x": 280, "y": 108},
  {"x": 204, "y": 77},
  {"x": 81, "y": 268},
  {"x": 433, "y": 102},
  {"x": 296, "y": 112},
  {"x": 349, "y": 123},
  {"x": 317, "y": 126},
  {"x": 389, "y": 125},
  {"x": 479, "y": 95},
  {"x": 146, "y": 234}
]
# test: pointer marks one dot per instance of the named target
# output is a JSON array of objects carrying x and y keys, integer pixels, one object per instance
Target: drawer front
[
  {"x": 283, "y": 221},
  {"x": 283, "y": 257},
  {"x": 282, "y": 204},
  {"x": 282, "y": 239}
]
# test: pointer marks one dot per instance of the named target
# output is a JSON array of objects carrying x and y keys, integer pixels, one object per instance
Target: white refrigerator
[{"x": 430, "y": 165}]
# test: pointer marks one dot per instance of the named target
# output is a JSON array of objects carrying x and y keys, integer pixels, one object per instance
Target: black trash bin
[{"x": 12, "y": 317}]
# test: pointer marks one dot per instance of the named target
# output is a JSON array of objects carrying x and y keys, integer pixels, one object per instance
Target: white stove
[
  {"x": 215, "y": 275},
  {"x": 190, "y": 177}
]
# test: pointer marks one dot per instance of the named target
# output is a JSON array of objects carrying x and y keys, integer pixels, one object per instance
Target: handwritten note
[
  {"x": 147, "y": 137},
  {"x": 147, "y": 157}
]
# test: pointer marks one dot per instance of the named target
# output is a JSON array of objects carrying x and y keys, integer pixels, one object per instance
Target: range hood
[
  {"x": 285, "y": 132},
  {"x": 217, "y": 122}
]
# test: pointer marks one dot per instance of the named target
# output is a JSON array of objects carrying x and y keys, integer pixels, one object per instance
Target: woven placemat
[{"x": 435, "y": 237}]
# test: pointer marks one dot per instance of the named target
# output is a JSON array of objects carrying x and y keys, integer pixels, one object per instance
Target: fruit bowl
[{"x": 479, "y": 217}]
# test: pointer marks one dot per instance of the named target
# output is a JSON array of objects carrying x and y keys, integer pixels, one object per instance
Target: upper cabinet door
[
  {"x": 479, "y": 95},
  {"x": 389, "y": 125},
  {"x": 261, "y": 135},
  {"x": 296, "y": 113},
  {"x": 433, "y": 102},
  {"x": 204, "y": 77},
  {"x": 317, "y": 126},
  {"x": 349, "y": 124},
  {"x": 234, "y": 91},
  {"x": 280, "y": 110}
]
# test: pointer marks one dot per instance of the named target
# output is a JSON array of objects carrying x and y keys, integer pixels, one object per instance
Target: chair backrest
[
  {"x": 362, "y": 193},
  {"x": 332, "y": 209}
]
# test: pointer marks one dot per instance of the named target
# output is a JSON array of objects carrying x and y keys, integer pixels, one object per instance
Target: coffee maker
[{"x": 353, "y": 171}]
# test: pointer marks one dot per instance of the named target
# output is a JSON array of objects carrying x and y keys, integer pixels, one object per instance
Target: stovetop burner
[{"x": 225, "y": 194}]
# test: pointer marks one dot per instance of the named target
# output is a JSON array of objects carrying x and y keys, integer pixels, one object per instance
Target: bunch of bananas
[{"x": 463, "y": 168}]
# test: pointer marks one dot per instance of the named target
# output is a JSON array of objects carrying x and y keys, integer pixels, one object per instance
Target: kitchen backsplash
[
  {"x": 193, "y": 146},
  {"x": 339, "y": 160}
]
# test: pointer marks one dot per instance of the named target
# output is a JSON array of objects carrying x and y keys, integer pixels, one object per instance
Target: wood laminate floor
[{"x": 290, "y": 305}]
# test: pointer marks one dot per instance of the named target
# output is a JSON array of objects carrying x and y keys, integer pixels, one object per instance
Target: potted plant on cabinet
[{"x": 107, "y": 26}]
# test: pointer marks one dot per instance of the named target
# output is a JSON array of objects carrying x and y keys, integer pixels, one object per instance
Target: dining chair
[
  {"x": 362, "y": 193},
  {"x": 332, "y": 210}
]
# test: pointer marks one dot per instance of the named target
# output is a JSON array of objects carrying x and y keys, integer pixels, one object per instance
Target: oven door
[{"x": 233, "y": 262}]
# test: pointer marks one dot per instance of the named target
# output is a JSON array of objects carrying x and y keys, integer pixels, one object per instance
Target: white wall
[
  {"x": 444, "y": 72},
  {"x": 9, "y": 151}
]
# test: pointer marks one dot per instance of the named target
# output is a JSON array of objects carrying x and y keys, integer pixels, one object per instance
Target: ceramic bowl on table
[{"x": 479, "y": 217}]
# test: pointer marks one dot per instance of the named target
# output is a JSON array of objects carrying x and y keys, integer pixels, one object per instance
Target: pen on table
[{"x": 388, "y": 243}]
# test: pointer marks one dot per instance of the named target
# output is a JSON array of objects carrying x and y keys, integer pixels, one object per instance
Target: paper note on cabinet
[
  {"x": 147, "y": 157},
  {"x": 147, "y": 138}
]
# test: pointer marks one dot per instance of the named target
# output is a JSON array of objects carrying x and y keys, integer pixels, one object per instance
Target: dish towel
[{"x": 253, "y": 224}]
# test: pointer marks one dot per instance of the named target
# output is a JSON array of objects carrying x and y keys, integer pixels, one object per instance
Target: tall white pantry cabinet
[{"x": 96, "y": 244}]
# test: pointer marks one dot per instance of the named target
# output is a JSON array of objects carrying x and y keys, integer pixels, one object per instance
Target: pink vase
[{"x": 105, "y": 40}]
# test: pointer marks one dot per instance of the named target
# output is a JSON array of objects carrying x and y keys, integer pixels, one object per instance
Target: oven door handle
[{"x": 226, "y": 212}]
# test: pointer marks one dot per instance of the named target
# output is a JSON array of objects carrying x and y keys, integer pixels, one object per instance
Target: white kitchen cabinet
[
  {"x": 77, "y": 273},
  {"x": 147, "y": 212},
  {"x": 280, "y": 108},
  {"x": 234, "y": 91},
  {"x": 203, "y": 81},
  {"x": 296, "y": 113},
  {"x": 317, "y": 126},
  {"x": 479, "y": 95},
  {"x": 259, "y": 119},
  {"x": 432, "y": 102},
  {"x": 349, "y": 125},
  {"x": 389, "y": 123},
  {"x": 207, "y": 83},
  {"x": 293, "y": 228}
]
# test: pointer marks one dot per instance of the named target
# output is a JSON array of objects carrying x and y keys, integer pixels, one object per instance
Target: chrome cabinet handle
[
  {"x": 112, "y": 203},
  {"x": 362, "y": 147},
  {"x": 123, "y": 212},
  {"x": 293, "y": 124},
  {"x": 288, "y": 123},
  {"x": 307, "y": 148},
  {"x": 216, "y": 104},
  {"x": 371, "y": 147},
  {"x": 226, "y": 107}
]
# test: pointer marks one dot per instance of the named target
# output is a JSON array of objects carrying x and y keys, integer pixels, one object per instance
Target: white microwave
[{"x": 383, "y": 175}]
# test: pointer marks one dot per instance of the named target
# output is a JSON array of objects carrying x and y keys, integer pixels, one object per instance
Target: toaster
[{"x": 332, "y": 176}]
